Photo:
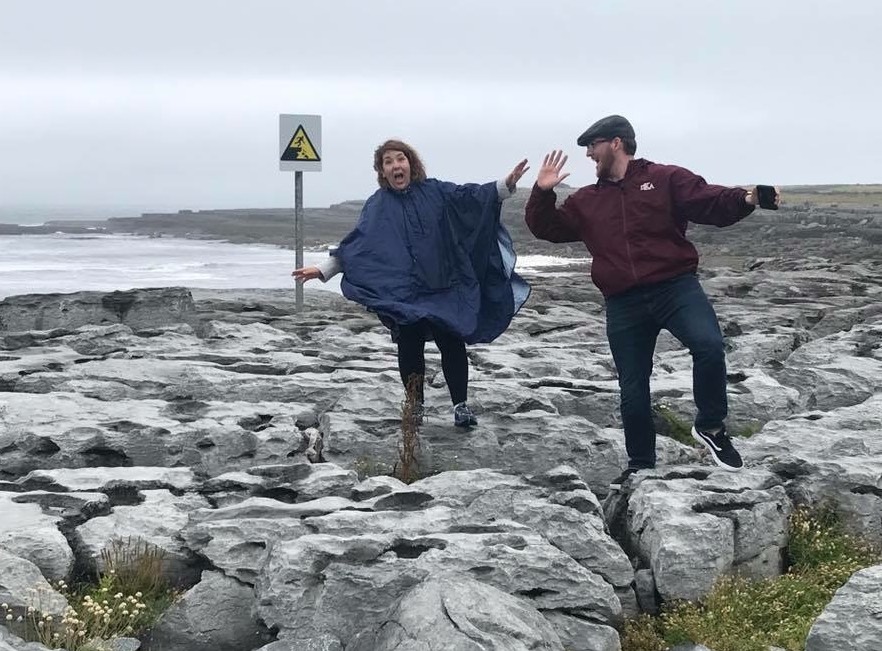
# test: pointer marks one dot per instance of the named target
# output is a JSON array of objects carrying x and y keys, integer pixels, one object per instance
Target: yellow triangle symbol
[{"x": 300, "y": 147}]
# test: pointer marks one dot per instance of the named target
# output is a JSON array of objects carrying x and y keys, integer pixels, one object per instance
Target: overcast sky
[{"x": 167, "y": 105}]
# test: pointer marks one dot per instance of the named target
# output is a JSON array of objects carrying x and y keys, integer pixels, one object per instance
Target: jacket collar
[{"x": 635, "y": 165}]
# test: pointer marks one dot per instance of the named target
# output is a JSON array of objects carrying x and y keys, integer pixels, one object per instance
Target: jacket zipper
[
  {"x": 625, "y": 233},
  {"x": 411, "y": 220}
]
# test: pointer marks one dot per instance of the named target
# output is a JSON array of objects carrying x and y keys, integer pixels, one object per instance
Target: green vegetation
[
  {"x": 744, "y": 615},
  {"x": 826, "y": 195},
  {"x": 746, "y": 430},
  {"x": 125, "y": 600},
  {"x": 670, "y": 424},
  {"x": 366, "y": 467}
]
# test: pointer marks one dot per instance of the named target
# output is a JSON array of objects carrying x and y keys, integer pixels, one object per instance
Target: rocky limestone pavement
[
  {"x": 457, "y": 613},
  {"x": 316, "y": 574},
  {"x": 853, "y": 620},
  {"x": 451, "y": 520},
  {"x": 214, "y": 615},
  {"x": 23, "y": 585},
  {"x": 252, "y": 444},
  {"x": 32, "y": 534},
  {"x": 829, "y": 458},
  {"x": 153, "y": 523},
  {"x": 141, "y": 309},
  {"x": 692, "y": 526},
  {"x": 11, "y": 642}
]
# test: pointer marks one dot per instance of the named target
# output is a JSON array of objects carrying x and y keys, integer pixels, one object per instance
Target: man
[{"x": 633, "y": 222}]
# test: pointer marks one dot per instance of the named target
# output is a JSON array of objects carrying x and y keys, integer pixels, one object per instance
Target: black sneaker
[
  {"x": 463, "y": 416},
  {"x": 617, "y": 483},
  {"x": 720, "y": 446}
]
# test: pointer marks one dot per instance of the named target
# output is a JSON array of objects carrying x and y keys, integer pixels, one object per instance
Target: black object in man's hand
[{"x": 766, "y": 196}]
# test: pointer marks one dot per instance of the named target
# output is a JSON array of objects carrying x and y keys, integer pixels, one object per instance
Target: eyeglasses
[{"x": 594, "y": 143}]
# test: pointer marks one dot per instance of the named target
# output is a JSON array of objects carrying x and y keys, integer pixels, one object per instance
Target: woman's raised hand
[{"x": 515, "y": 175}]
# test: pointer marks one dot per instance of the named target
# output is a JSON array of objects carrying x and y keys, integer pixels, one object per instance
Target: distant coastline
[{"x": 837, "y": 221}]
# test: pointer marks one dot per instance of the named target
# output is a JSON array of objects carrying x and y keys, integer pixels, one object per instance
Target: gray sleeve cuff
[
  {"x": 502, "y": 189},
  {"x": 329, "y": 268}
]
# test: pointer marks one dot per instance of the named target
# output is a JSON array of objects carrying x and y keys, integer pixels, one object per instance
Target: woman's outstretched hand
[
  {"x": 515, "y": 175},
  {"x": 306, "y": 273}
]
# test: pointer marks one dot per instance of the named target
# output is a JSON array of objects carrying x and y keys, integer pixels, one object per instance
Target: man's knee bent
[{"x": 707, "y": 346}]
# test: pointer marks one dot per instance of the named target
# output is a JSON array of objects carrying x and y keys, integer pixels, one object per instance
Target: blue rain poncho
[{"x": 436, "y": 251}]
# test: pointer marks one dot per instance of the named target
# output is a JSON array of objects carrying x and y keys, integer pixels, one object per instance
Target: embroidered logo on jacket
[{"x": 647, "y": 186}]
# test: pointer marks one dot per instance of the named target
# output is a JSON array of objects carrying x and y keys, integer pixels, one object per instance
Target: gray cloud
[{"x": 174, "y": 105}]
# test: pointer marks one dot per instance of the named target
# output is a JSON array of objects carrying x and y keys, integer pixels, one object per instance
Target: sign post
[{"x": 300, "y": 150}]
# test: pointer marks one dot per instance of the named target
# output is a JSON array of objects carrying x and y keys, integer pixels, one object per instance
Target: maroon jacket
[{"x": 635, "y": 229}]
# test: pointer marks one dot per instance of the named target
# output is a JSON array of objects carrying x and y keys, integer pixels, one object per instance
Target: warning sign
[
  {"x": 300, "y": 143},
  {"x": 300, "y": 147}
]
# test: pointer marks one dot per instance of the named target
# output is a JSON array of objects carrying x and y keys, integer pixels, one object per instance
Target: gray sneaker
[{"x": 463, "y": 415}]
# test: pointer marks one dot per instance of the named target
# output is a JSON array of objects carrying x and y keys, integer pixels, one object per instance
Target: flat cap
[{"x": 611, "y": 126}]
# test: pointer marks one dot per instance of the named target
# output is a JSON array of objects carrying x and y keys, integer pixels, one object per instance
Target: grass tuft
[
  {"x": 669, "y": 423},
  {"x": 745, "y": 615},
  {"x": 125, "y": 600}
]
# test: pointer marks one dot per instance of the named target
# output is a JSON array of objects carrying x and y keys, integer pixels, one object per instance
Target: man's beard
[{"x": 604, "y": 166}]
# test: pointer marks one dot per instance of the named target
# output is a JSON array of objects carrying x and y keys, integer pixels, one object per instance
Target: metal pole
[{"x": 298, "y": 235}]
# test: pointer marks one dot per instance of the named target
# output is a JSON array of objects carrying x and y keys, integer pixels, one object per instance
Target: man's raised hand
[{"x": 550, "y": 172}]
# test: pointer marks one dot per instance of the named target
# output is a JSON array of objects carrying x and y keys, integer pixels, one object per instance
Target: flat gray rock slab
[{"x": 853, "y": 619}]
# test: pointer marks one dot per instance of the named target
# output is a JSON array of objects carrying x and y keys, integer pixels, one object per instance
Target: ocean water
[
  {"x": 63, "y": 263},
  {"x": 32, "y": 215}
]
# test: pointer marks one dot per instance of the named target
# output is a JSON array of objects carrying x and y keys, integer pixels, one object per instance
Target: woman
[{"x": 433, "y": 260}]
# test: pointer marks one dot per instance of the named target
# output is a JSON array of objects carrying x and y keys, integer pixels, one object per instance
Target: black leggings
[{"x": 454, "y": 361}]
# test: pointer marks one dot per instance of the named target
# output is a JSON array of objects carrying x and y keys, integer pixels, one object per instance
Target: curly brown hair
[{"x": 417, "y": 170}]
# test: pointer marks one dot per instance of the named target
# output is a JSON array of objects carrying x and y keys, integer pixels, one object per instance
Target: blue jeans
[{"x": 633, "y": 321}]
